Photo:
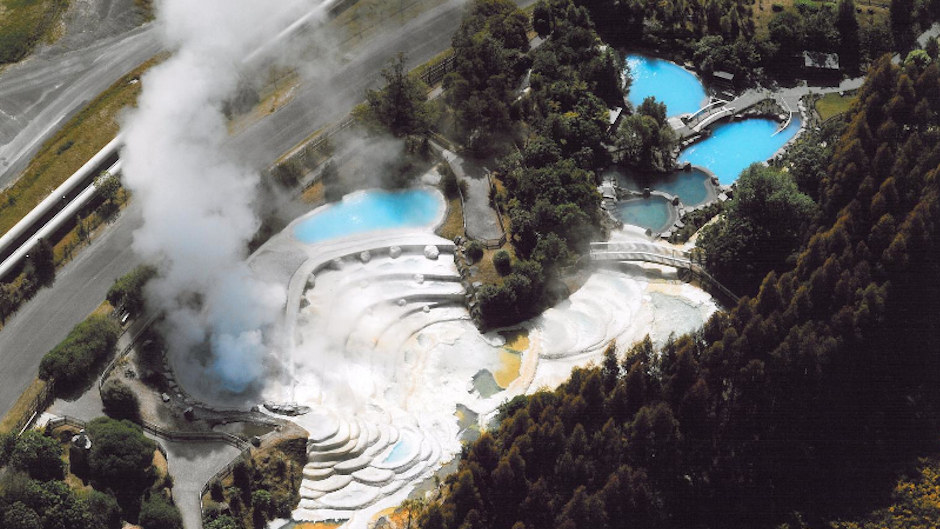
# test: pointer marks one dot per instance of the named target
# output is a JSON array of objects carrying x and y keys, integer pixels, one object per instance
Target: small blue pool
[
  {"x": 734, "y": 146},
  {"x": 400, "y": 451},
  {"x": 668, "y": 82},
  {"x": 689, "y": 186},
  {"x": 654, "y": 213},
  {"x": 368, "y": 211}
]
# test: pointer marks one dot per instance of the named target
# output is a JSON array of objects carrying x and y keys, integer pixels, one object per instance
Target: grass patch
[
  {"x": 486, "y": 271},
  {"x": 453, "y": 220},
  {"x": 366, "y": 17},
  {"x": 23, "y": 407},
  {"x": 145, "y": 7},
  {"x": 277, "y": 92},
  {"x": 833, "y": 104},
  {"x": 24, "y": 24},
  {"x": 314, "y": 195},
  {"x": 84, "y": 135}
]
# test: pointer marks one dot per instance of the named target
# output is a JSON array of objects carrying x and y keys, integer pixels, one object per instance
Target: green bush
[
  {"x": 128, "y": 290},
  {"x": 120, "y": 457},
  {"x": 474, "y": 251},
  {"x": 70, "y": 363},
  {"x": 119, "y": 401},
  {"x": 38, "y": 455},
  {"x": 104, "y": 509},
  {"x": 502, "y": 262},
  {"x": 157, "y": 512},
  {"x": 450, "y": 186}
]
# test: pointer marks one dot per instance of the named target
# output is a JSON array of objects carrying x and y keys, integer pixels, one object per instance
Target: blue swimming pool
[
  {"x": 371, "y": 210},
  {"x": 668, "y": 82},
  {"x": 689, "y": 186},
  {"x": 654, "y": 213},
  {"x": 734, "y": 146}
]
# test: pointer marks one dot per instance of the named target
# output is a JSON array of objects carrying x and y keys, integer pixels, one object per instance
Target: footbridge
[{"x": 647, "y": 252}]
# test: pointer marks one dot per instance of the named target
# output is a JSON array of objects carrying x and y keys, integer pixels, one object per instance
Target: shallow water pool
[
  {"x": 654, "y": 213},
  {"x": 668, "y": 82},
  {"x": 368, "y": 211},
  {"x": 734, "y": 146},
  {"x": 689, "y": 186}
]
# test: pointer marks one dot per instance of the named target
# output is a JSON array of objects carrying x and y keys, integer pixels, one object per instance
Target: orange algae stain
[
  {"x": 510, "y": 357},
  {"x": 318, "y": 525}
]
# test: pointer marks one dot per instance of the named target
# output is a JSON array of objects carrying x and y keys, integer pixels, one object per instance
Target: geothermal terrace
[{"x": 382, "y": 349}]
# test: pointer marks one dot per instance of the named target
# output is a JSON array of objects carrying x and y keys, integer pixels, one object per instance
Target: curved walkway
[{"x": 656, "y": 254}]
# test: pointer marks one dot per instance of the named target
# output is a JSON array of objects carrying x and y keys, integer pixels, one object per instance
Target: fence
[
  {"x": 34, "y": 408},
  {"x": 304, "y": 158},
  {"x": 435, "y": 73},
  {"x": 492, "y": 244}
]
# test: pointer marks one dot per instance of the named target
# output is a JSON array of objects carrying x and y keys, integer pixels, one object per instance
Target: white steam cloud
[{"x": 197, "y": 200}]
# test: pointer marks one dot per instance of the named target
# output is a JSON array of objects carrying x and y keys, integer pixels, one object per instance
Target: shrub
[
  {"x": 128, "y": 290},
  {"x": 7, "y": 444},
  {"x": 104, "y": 509},
  {"x": 38, "y": 455},
  {"x": 120, "y": 456},
  {"x": 223, "y": 522},
  {"x": 157, "y": 512},
  {"x": 502, "y": 262},
  {"x": 450, "y": 186},
  {"x": 474, "y": 251},
  {"x": 215, "y": 491},
  {"x": 119, "y": 401},
  {"x": 71, "y": 362}
]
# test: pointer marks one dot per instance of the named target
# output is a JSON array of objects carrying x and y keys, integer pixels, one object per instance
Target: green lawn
[{"x": 833, "y": 104}]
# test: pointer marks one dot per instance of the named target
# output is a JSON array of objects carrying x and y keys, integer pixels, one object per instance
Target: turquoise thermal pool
[
  {"x": 734, "y": 146},
  {"x": 654, "y": 213},
  {"x": 668, "y": 82},
  {"x": 368, "y": 211}
]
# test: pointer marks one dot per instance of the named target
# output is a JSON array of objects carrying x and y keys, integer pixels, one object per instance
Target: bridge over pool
[{"x": 648, "y": 252}]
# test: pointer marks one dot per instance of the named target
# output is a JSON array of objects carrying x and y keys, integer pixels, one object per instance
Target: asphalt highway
[
  {"x": 42, "y": 93},
  {"x": 82, "y": 284}
]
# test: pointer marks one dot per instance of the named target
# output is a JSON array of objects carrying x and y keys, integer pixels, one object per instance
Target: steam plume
[{"x": 197, "y": 201}]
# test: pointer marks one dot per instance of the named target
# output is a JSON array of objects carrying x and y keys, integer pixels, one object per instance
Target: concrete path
[
  {"x": 192, "y": 464},
  {"x": 481, "y": 219}
]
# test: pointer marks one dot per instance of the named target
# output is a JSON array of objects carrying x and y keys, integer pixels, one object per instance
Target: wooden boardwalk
[{"x": 647, "y": 252}]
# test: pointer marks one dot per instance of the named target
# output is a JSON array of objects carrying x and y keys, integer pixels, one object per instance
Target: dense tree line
[
  {"x": 645, "y": 139},
  {"x": 551, "y": 180},
  {"x": 794, "y": 407},
  {"x": 721, "y": 34},
  {"x": 762, "y": 228},
  {"x": 489, "y": 60}
]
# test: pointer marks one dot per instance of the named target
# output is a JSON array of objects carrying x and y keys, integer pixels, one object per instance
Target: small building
[
  {"x": 723, "y": 79},
  {"x": 821, "y": 65}
]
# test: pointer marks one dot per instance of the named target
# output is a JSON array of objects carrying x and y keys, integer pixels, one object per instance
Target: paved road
[
  {"x": 78, "y": 289},
  {"x": 42, "y": 93}
]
